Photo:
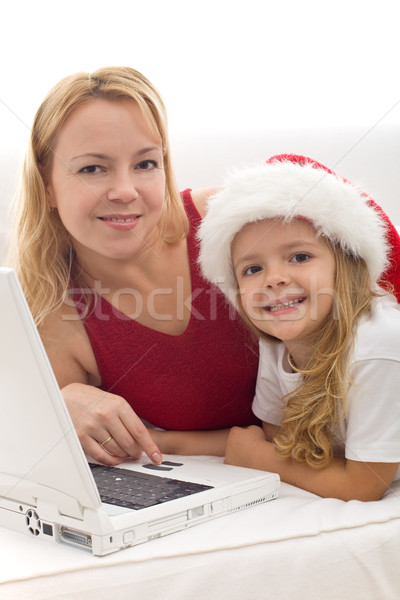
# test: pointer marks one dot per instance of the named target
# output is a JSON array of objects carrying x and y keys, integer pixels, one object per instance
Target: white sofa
[
  {"x": 369, "y": 157},
  {"x": 296, "y": 547}
]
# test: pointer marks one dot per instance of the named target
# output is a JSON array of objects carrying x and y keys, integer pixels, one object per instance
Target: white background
[{"x": 220, "y": 65}]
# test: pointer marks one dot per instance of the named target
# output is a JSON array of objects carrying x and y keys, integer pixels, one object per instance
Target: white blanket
[{"x": 298, "y": 546}]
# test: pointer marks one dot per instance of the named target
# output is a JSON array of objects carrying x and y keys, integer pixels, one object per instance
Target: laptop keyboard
[{"x": 131, "y": 489}]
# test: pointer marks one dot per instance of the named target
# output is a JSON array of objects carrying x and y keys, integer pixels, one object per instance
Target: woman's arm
[
  {"x": 342, "y": 478},
  {"x": 201, "y": 196},
  {"x": 97, "y": 415},
  {"x": 208, "y": 443}
]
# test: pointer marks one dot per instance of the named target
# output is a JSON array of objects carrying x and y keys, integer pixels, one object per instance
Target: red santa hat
[{"x": 289, "y": 187}]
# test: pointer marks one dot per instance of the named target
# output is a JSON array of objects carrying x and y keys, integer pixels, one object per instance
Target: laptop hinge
[{"x": 34, "y": 494}]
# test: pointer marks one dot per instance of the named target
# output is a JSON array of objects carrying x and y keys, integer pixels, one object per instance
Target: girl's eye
[
  {"x": 300, "y": 257},
  {"x": 147, "y": 165},
  {"x": 252, "y": 270},
  {"x": 90, "y": 169}
]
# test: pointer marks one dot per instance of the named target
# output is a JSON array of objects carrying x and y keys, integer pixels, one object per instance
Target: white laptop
[{"x": 47, "y": 487}]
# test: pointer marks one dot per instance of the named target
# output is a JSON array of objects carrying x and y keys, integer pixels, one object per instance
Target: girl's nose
[{"x": 276, "y": 276}]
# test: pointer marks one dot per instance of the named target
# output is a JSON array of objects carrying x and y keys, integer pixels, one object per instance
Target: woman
[{"x": 106, "y": 252}]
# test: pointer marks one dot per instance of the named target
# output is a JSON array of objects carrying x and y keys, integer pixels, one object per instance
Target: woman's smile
[{"x": 119, "y": 222}]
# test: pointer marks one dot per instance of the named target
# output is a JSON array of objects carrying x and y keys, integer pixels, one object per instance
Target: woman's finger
[
  {"x": 100, "y": 454},
  {"x": 140, "y": 435},
  {"x": 97, "y": 415}
]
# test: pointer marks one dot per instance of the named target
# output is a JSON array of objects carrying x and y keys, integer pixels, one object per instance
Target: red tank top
[{"x": 202, "y": 379}]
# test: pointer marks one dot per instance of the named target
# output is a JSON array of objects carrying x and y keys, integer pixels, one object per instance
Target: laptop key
[{"x": 135, "y": 490}]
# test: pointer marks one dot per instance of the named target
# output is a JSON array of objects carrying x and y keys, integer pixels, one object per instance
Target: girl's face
[
  {"x": 107, "y": 180},
  {"x": 286, "y": 275}
]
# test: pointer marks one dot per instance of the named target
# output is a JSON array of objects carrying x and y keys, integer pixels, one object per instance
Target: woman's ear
[{"x": 50, "y": 196}]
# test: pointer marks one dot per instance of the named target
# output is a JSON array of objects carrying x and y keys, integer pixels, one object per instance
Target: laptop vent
[
  {"x": 33, "y": 522},
  {"x": 253, "y": 503}
]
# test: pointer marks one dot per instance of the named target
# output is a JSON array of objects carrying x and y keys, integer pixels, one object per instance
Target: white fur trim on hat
[{"x": 337, "y": 209}]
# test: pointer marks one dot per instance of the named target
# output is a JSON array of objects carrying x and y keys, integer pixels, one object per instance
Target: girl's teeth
[{"x": 284, "y": 305}]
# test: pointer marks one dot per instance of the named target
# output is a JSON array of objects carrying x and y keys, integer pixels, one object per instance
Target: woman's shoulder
[
  {"x": 200, "y": 198},
  {"x": 68, "y": 347}
]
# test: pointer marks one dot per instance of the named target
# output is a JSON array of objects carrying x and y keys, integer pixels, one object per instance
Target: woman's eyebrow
[
  {"x": 89, "y": 155},
  {"x": 103, "y": 156},
  {"x": 149, "y": 149}
]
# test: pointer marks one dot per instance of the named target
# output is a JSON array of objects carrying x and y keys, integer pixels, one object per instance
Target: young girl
[{"x": 299, "y": 251}]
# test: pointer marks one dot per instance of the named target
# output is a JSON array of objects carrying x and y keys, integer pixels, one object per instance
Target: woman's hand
[{"x": 107, "y": 427}]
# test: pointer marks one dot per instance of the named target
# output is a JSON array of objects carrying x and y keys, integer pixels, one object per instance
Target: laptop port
[{"x": 76, "y": 537}]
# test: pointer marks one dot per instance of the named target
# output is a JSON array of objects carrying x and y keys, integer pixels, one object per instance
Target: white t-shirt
[{"x": 370, "y": 431}]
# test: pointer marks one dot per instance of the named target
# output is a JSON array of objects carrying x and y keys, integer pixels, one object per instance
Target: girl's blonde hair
[
  {"x": 314, "y": 408},
  {"x": 41, "y": 249}
]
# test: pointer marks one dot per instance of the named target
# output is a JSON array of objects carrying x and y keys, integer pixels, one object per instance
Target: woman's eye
[
  {"x": 300, "y": 257},
  {"x": 90, "y": 169},
  {"x": 252, "y": 270},
  {"x": 147, "y": 165}
]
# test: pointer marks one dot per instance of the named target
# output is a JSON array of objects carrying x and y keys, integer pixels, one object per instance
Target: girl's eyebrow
[
  {"x": 244, "y": 258},
  {"x": 299, "y": 243}
]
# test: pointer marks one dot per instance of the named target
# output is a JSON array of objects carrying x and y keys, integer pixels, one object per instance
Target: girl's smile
[{"x": 284, "y": 305}]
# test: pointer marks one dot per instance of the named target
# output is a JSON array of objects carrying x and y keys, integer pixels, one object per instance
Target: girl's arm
[
  {"x": 342, "y": 478},
  {"x": 208, "y": 443}
]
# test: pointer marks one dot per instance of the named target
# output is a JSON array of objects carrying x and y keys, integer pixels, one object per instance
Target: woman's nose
[{"x": 122, "y": 188}]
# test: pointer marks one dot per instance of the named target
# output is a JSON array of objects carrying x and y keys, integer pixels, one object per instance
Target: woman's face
[{"x": 107, "y": 181}]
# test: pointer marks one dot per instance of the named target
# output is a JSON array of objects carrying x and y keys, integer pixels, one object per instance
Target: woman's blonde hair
[
  {"x": 314, "y": 408},
  {"x": 41, "y": 249}
]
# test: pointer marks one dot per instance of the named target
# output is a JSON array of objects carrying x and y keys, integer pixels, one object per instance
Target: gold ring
[{"x": 106, "y": 441}]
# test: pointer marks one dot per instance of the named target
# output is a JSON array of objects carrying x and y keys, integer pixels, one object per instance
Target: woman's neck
[
  {"x": 116, "y": 273},
  {"x": 155, "y": 292}
]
